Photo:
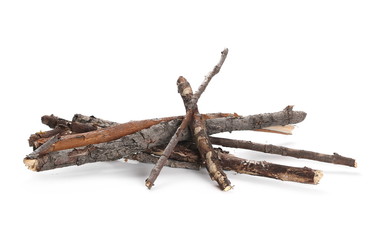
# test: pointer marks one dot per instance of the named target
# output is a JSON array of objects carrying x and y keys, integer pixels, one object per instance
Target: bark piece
[{"x": 284, "y": 151}]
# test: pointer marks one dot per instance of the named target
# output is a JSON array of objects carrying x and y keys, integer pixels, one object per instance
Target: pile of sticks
[{"x": 179, "y": 141}]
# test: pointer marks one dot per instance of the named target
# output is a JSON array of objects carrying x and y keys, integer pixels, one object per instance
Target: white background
[{"x": 120, "y": 61}]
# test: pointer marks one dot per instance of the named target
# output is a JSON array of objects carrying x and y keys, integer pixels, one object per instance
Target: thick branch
[
  {"x": 284, "y": 151},
  {"x": 259, "y": 121}
]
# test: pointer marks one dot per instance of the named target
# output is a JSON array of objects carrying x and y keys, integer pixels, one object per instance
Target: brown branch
[
  {"x": 271, "y": 170},
  {"x": 284, "y": 151},
  {"x": 189, "y": 113},
  {"x": 257, "y": 168},
  {"x": 198, "y": 130},
  {"x": 102, "y": 135}
]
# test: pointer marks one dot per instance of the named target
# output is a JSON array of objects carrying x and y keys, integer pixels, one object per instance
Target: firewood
[
  {"x": 168, "y": 141},
  {"x": 156, "y": 135}
]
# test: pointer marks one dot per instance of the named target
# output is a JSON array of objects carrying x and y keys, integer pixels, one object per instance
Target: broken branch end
[{"x": 31, "y": 164}]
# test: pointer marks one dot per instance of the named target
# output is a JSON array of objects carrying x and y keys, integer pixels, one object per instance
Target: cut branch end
[
  {"x": 31, "y": 164},
  {"x": 317, "y": 176}
]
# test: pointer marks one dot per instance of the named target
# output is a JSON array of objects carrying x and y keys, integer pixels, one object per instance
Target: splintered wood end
[
  {"x": 31, "y": 164},
  {"x": 317, "y": 176}
]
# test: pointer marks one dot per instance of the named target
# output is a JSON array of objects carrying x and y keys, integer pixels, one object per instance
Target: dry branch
[
  {"x": 89, "y": 139},
  {"x": 186, "y": 121},
  {"x": 284, "y": 151},
  {"x": 198, "y": 130},
  {"x": 271, "y": 170}
]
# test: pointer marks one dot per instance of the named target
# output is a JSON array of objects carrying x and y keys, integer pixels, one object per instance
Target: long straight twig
[
  {"x": 175, "y": 138},
  {"x": 284, "y": 151}
]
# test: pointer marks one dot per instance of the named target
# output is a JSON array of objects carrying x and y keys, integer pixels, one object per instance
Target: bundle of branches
[{"x": 179, "y": 141}]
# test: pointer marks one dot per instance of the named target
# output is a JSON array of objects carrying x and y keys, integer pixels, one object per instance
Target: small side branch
[{"x": 284, "y": 151}]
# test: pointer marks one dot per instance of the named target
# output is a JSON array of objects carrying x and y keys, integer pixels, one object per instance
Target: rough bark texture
[
  {"x": 207, "y": 153},
  {"x": 145, "y": 157},
  {"x": 156, "y": 135},
  {"x": 265, "y": 169},
  {"x": 198, "y": 130},
  {"x": 190, "y": 109},
  {"x": 185, "y": 155},
  {"x": 258, "y": 121},
  {"x": 168, "y": 150},
  {"x": 102, "y": 135},
  {"x": 81, "y": 123},
  {"x": 89, "y": 139},
  {"x": 284, "y": 151}
]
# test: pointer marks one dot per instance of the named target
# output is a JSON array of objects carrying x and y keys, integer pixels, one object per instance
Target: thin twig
[
  {"x": 175, "y": 139},
  {"x": 284, "y": 151}
]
